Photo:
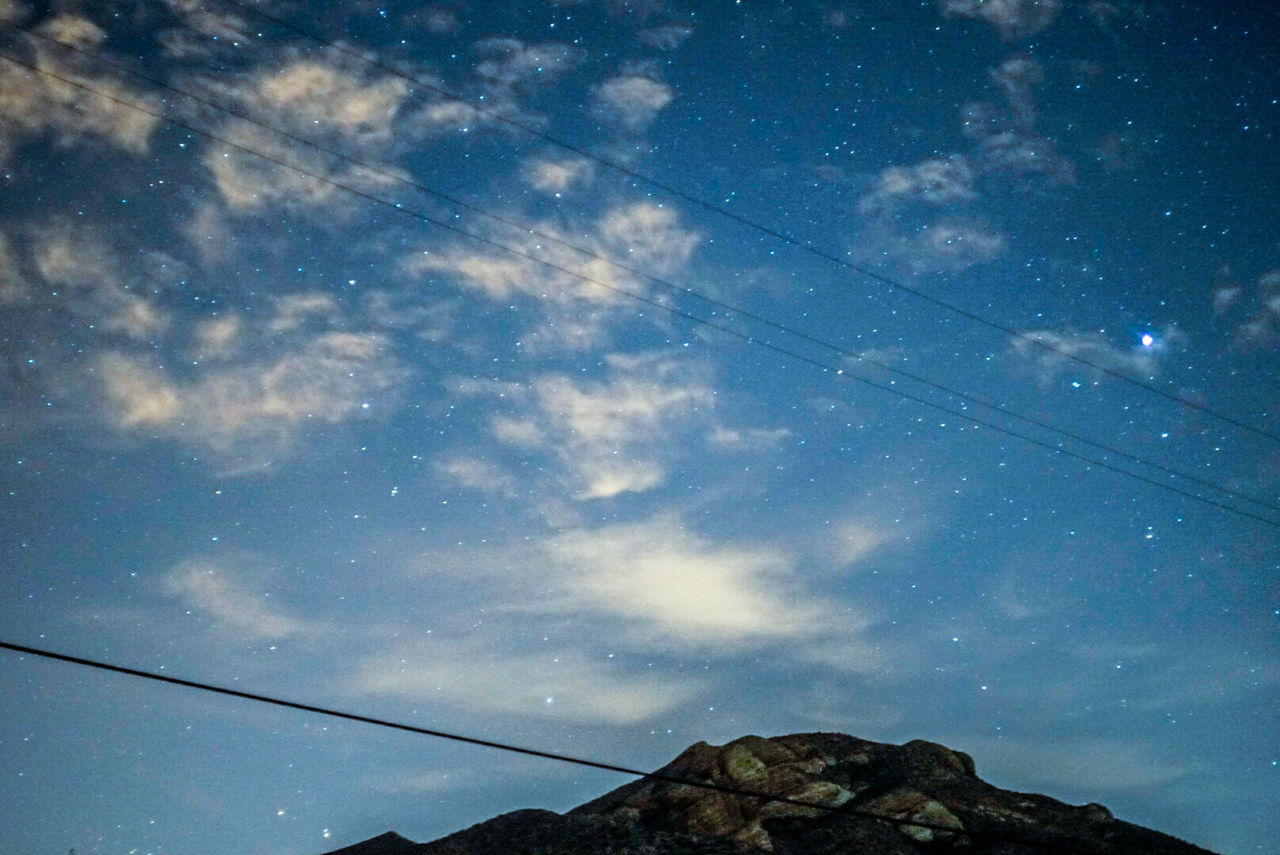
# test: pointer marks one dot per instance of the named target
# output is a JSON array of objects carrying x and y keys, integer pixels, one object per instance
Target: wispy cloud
[
  {"x": 562, "y": 684},
  {"x": 1055, "y": 358},
  {"x": 666, "y": 582},
  {"x": 669, "y": 36},
  {"x": 558, "y": 175},
  {"x": 33, "y": 103},
  {"x": 574, "y": 311},
  {"x": 1094, "y": 766},
  {"x": 631, "y": 100},
  {"x": 1011, "y": 19},
  {"x": 1255, "y": 316},
  {"x": 608, "y": 436},
  {"x": 247, "y": 413},
  {"x": 215, "y": 589},
  {"x": 87, "y": 278},
  {"x": 936, "y": 181}
]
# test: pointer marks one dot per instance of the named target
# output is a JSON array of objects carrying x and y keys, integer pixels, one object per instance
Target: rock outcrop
[{"x": 831, "y": 783}]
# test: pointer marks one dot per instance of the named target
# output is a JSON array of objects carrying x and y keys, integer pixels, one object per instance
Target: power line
[
  {"x": 397, "y": 177},
  {"x": 777, "y": 234},
  {"x": 840, "y": 372},
  {"x": 1067, "y": 842}
]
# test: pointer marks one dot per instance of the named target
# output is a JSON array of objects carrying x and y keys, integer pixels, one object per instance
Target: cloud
[
  {"x": 217, "y": 338},
  {"x": 946, "y": 245},
  {"x": 852, "y": 540},
  {"x": 14, "y": 288},
  {"x": 666, "y": 582},
  {"x": 311, "y": 95},
  {"x": 204, "y": 32},
  {"x": 1062, "y": 349},
  {"x": 556, "y": 176},
  {"x": 440, "y": 20},
  {"x": 32, "y": 103},
  {"x": 1260, "y": 329},
  {"x": 1015, "y": 77},
  {"x": 209, "y": 586},
  {"x": 1012, "y": 19},
  {"x": 86, "y": 278},
  {"x": 631, "y": 101},
  {"x": 563, "y": 684},
  {"x": 249, "y": 182},
  {"x": 610, "y": 436},
  {"x": 511, "y": 62},
  {"x": 11, "y": 11},
  {"x": 666, "y": 36},
  {"x": 747, "y": 439},
  {"x": 1014, "y": 155},
  {"x": 341, "y": 108},
  {"x": 474, "y": 473},
  {"x": 574, "y": 311},
  {"x": 937, "y": 181},
  {"x": 1083, "y": 766},
  {"x": 246, "y": 413}
]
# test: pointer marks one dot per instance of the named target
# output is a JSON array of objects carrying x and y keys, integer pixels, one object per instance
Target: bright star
[{"x": 1148, "y": 339}]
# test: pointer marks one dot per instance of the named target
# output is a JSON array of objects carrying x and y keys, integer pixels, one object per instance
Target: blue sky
[{"x": 268, "y": 424}]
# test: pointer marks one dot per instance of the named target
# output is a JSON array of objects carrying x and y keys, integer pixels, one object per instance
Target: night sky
[{"x": 431, "y": 417}]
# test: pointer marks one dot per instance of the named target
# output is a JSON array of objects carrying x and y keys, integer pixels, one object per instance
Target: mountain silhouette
[{"x": 932, "y": 801}]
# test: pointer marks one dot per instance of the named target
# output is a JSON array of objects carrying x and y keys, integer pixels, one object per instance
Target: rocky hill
[{"x": 919, "y": 782}]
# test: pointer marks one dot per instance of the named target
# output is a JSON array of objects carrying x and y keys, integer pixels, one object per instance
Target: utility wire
[
  {"x": 1059, "y": 840},
  {"x": 397, "y": 177},
  {"x": 785, "y": 237},
  {"x": 750, "y": 339}
]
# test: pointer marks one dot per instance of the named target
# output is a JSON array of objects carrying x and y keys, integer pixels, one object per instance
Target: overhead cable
[
  {"x": 785, "y": 237},
  {"x": 750, "y": 339},
  {"x": 1056, "y": 839},
  {"x": 397, "y": 177}
]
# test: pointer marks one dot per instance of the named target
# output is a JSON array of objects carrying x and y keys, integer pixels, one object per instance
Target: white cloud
[
  {"x": 573, "y": 310},
  {"x": 474, "y": 473},
  {"x": 668, "y": 36},
  {"x": 610, "y": 436},
  {"x": 440, "y": 20},
  {"x": 511, "y": 62},
  {"x": 310, "y": 95},
  {"x": 553, "y": 683},
  {"x": 204, "y": 32},
  {"x": 1079, "y": 766},
  {"x": 14, "y": 288},
  {"x": 855, "y": 539},
  {"x": 247, "y": 413},
  {"x": 1014, "y": 155},
  {"x": 217, "y": 338},
  {"x": 302, "y": 308},
  {"x": 213, "y": 588},
  {"x": 11, "y": 11},
  {"x": 946, "y": 245},
  {"x": 631, "y": 101},
  {"x": 87, "y": 278},
  {"x": 937, "y": 181},
  {"x": 1261, "y": 329},
  {"x": 558, "y": 175},
  {"x": 747, "y": 439},
  {"x": 668, "y": 583},
  {"x": 1012, "y": 19},
  {"x": 1062, "y": 349},
  {"x": 32, "y": 103},
  {"x": 248, "y": 182}
]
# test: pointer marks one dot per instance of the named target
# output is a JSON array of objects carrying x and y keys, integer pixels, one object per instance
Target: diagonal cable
[
  {"x": 750, "y": 339},
  {"x": 396, "y": 177},
  {"x": 1068, "y": 842},
  {"x": 777, "y": 234}
]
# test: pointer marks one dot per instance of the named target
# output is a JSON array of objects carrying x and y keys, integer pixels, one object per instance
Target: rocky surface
[{"x": 919, "y": 782}]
